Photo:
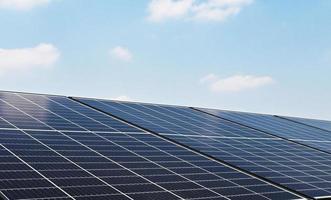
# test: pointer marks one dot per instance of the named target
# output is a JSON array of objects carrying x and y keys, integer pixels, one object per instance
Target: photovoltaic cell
[
  {"x": 173, "y": 120},
  {"x": 25, "y": 115},
  {"x": 281, "y": 127},
  {"x": 51, "y": 165},
  {"x": 322, "y": 124},
  {"x": 78, "y": 114},
  {"x": 286, "y": 163},
  {"x": 80, "y": 153},
  {"x": 18, "y": 179},
  {"x": 291, "y": 165}
]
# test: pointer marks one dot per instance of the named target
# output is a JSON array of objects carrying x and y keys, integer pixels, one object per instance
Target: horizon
[
  {"x": 151, "y": 103},
  {"x": 243, "y": 55}
]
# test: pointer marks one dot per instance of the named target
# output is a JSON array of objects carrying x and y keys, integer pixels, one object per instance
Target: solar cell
[
  {"x": 313, "y": 137},
  {"x": 174, "y": 120},
  {"x": 50, "y": 164},
  {"x": 291, "y": 165},
  {"x": 295, "y": 166},
  {"x": 322, "y": 124},
  {"x": 85, "y": 154},
  {"x": 19, "y": 179},
  {"x": 25, "y": 115}
]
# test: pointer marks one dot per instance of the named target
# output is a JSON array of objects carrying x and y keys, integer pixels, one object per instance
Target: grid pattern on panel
[
  {"x": 52, "y": 166},
  {"x": 45, "y": 104},
  {"x": 142, "y": 189},
  {"x": 87, "y": 155},
  {"x": 76, "y": 113},
  {"x": 26, "y": 115},
  {"x": 83, "y": 156},
  {"x": 11, "y": 115},
  {"x": 274, "y": 125},
  {"x": 294, "y": 166},
  {"x": 172, "y": 120},
  {"x": 301, "y": 133},
  {"x": 323, "y": 124},
  {"x": 289, "y": 164},
  {"x": 166, "y": 169},
  {"x": 19, "y": 180},
  {"x": 208, "y": 173},
  {"x": 205, "y": 192}
]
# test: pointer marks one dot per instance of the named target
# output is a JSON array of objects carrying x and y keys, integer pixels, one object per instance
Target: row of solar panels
[{"x": 54, "y": 147}]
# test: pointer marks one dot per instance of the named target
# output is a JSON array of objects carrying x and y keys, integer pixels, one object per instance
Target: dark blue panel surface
[
  {"x": 281, "y": 127},
  {"x": 274, "y": 125},
  {"x": 79, "y": 114},
  {"x": 173, "y": 168},
  {"x": 175, "y": 120},
  {"x": 292, "y": 165},
  {"x": 101, "y": 154},
  {"x": 18, "y": 180},
  {"x": 51, "y": 165},
  {"x": 86, "y": 154},
  {"x": 322, "y": 124},
  {"x": 26, "y": 115}
]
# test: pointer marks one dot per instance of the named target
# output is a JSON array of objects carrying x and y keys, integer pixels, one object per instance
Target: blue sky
[{"x": 257, "y": 56}]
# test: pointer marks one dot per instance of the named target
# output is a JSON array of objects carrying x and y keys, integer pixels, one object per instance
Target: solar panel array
[
  {"x": 276, "y": 156},
  {"x": 52, "y": 147}
]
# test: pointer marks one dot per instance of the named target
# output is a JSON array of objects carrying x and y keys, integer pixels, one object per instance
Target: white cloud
[
  {"x": 198, "y": 10},
  {"x": 235, "y": 83},
  {"x": 208, "y": 78},
  {"x": 41, "y": 56},
  {"x": 162, "y": 9},
  {"x": 121, "y": 53},
  {"x": 22, "y": 4},
  {"x": 122, "y": 98}
]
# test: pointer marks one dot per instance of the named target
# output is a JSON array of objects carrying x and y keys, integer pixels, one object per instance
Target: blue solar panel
[
  {"x": 80, "y": 153},
  {"x": 19, "y": 179},
  {"x": 301, "y": 169},
  {"x": 316, "y": 138},
  {"x": 289, "y": 164},
  {"x": 172, "y": 120},
  {"x": 51, "y": 165},
  {"x": 322, "y": 124}
]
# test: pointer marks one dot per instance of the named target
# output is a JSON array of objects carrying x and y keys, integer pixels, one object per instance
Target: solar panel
[
  {"x": 283, "y": 162},
  {"x": 301, "y": 133},
  {"x": 52, "y": 147},
  {"x": 21, "y": 179},
  {"x": 174, "y": 120},
  {"x": 322, "y": 124}
]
